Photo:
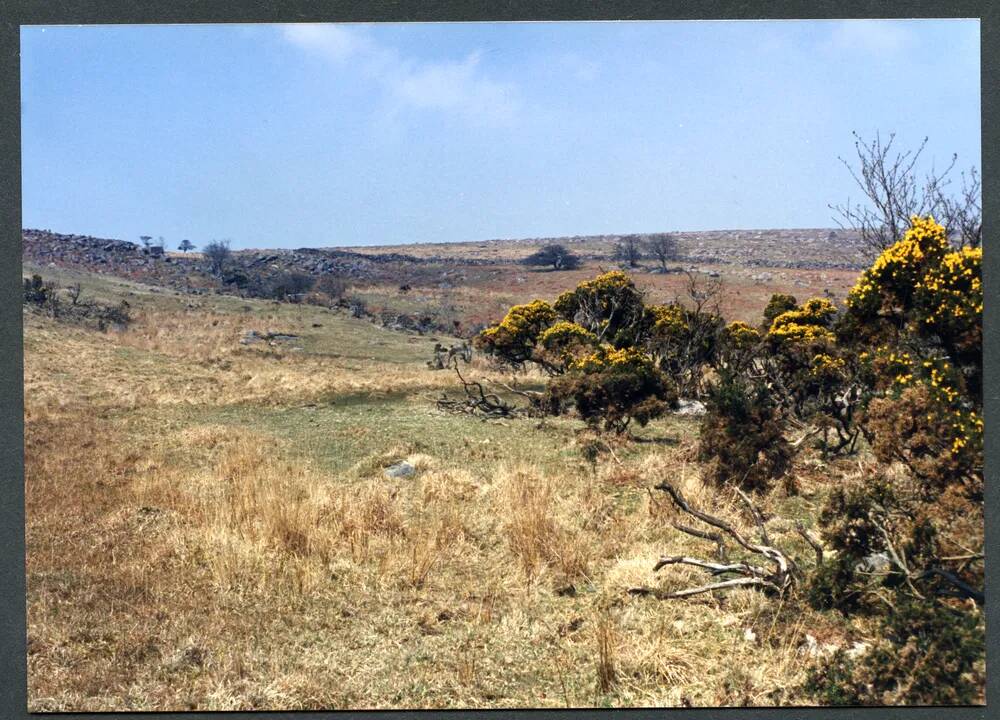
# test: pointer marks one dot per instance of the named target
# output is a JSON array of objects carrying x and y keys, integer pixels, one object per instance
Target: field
[{"x": 210, "y": 525}]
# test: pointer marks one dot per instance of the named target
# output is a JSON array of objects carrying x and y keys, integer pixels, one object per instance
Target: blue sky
[{"x": 317, "y": 135}]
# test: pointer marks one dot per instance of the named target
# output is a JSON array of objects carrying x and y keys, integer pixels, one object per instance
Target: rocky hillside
[
  {"x": 802, "y": 248},
  {"x": 423, "y": 264},
  {"x": 193, "y": 273}
]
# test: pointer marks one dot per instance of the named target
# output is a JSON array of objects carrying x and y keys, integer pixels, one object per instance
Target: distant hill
[{"x": 795, "y": 249}]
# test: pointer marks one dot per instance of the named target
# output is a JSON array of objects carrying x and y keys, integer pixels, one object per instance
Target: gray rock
[
  {"x": 875, "y": 564},
  {"x": 690, "y": 407},
  {"x": 400, "y": 469}
]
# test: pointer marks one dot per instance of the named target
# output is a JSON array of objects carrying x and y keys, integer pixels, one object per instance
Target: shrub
[
  {"x": 737, "y": 348},
  {"x": 288, "y": 286},
  {"x": 217, "y": 253},
  {"x": 682, "y": 341},
  {"x": 810, "y": 323},
  {"x": 614, "y": 387},
  {"x": 939, "y": 445},
  {"x": 948, "y": 306},
  {"x": 890, "y": 537},
  {"x": 741, "y": 435},
  {"x": 610, "y": 306},
  {"x": 928, "y": 653},
  {"x": 333, "y": 286},
  {"x": 778, "y": 304},
  {"x": 45, "y": 296},
  {"x": 564, "y": 342},
  {"x": 37, "y": 291},
  {"x": 514, "y": 339}
]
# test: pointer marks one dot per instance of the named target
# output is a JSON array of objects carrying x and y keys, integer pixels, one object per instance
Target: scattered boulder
[
  {"x": 690, "y": 407},
  {"x": 251, "y": 337},
  {"x": 813, "y": 648},
  {"x": 401, "y": 469}
]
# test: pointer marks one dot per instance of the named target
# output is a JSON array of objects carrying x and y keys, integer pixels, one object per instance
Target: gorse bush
[
  {"x": 683, "y": 342},
  {"x": 610, "y": 306},
  {"x": 614, "y": 387},
  {"x": 928, "y": 653},
  {"x": 513, "y": 341},
  {"x": 563, "y": 343},
  {"x": 592, "y": 342},
  {"x": 778, "y": 304},
  {"x": 742, "y": 435}
]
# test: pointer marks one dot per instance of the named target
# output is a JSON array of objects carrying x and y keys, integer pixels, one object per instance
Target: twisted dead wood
[{"x": 779, "y": 579}]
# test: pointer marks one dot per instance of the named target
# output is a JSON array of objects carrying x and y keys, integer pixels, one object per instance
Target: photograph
[{"x": 502, "y": 364}]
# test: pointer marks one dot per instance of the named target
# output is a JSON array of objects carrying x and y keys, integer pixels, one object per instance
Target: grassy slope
[{"x": 209, "y": 527}]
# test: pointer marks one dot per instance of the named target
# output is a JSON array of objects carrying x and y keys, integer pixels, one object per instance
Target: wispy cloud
[
  {"x": 460, "y": 87},
  {"x": 885, "y": 37}
]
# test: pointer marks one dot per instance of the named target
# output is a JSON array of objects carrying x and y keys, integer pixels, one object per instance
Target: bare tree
[
  {"x": 628, "y": 250},
  {"x": 963, "y": 214},
  {"x": 74, "y": 291},
  {"x": 663, "y": 248},
  {"x": 894, "y": 192},
  {"x": 217, "y": 253}
]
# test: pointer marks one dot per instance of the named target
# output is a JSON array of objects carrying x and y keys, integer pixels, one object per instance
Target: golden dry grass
[{"x": 199, "y": 538}]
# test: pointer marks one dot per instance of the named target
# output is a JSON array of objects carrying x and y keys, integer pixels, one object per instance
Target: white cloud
[
  {"x": 334, "y": 42},
  {"x": 872, "y": 36},
  {"x": 456, "y": 86}
]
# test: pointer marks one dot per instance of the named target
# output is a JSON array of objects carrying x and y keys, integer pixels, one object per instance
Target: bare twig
[
  {"x": 755, "y": 514},
  {"x": 801, "y": 530}
]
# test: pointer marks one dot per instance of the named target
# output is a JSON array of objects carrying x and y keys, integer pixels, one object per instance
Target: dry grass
[{"x": 198, "y": 539}]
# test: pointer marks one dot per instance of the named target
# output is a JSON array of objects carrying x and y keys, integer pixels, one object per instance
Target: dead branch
[
  {"x": 801, "y": 530},
  {"x": 963, "y": 588},
  {"x": 735, "y": 582},
  {"x": 477, "y": 401},
  {"x": 714, "y": 537},
  {"x": 897, "y": 559},
  {"x": 779, "y": 579},
  {"x": 755, "y": 514}
]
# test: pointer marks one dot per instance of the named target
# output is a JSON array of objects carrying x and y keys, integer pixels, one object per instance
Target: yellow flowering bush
[
  {"x": 565, "y": 333},
  {"x": 514, "y": 338},
  {"x": 610, "y": 306},
  {"x": 809, "y": 324},
  {"x": 668, "y": 320},
  {"x": 949, "y": 299},
  {"x": 925, "y": 418},
  {"x": 613, "y": 386},
  {"x": 894, "y": 275},
  {"x": 740, "y": 335},
  {"x": 825, "y": 367},
  {"x": 562, "y": 343},
  {"x": 779, "y": 303},
  {"x": 682, "y": 341}
]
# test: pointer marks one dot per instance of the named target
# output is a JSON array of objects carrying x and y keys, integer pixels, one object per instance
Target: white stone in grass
[
  {"x": 400, "y": 469},
  {"x": 690, "y": 407}
]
